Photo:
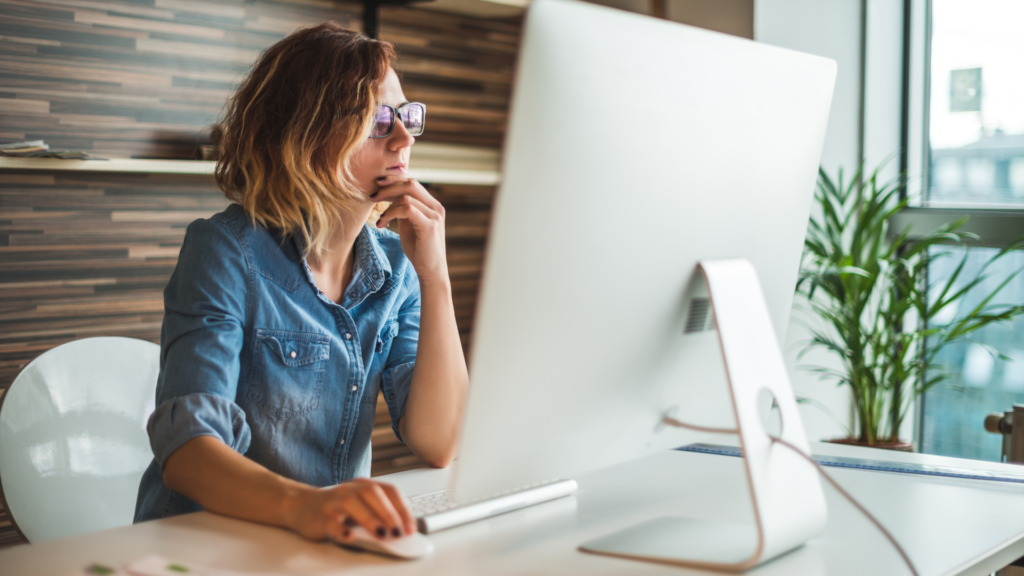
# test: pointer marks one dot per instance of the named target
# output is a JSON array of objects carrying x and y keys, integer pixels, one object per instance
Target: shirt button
[
  {"x": 391, "y": 396},
  {"x": 348, "y": 335},
  {"x": 352, "y": 294},
  {"x": 375, "y": 275},
  {"x": 342, "y": 440},
  {"x": 293, "y": 354},
  {"x": 354, "y": 388}
]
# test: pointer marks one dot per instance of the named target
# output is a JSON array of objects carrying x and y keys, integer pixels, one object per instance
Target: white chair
[{"x": 73, "y": 443}]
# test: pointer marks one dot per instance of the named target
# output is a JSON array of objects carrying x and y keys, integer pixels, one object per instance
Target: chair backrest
[{"x": 73, "y": 442}]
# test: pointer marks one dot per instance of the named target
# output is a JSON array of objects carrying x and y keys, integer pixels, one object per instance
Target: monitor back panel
[{"x": 636, "y": 147}]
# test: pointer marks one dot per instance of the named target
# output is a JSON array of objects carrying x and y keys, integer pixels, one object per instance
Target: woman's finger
[
  {"x": 389, "y": 180},
  {"x": 400, "y": 505},
  {"x": 396, "y": 187},
  {"x": 338, "y": 530},
  {"x": 434, "y": 210},
  {"x": 396, "y": 211},
  {"x": 377, "y": 501},
  {"x": 356, "y": 509},
  {"x": 407, "y": 187},
  {"x": 414, "y": 215}
]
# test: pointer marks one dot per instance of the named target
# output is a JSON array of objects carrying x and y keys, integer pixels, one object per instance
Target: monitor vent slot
[{"x": 697, "y": 318}]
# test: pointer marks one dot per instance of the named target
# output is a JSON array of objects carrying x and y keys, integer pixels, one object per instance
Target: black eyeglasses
[{"x": 413, "y": 116}]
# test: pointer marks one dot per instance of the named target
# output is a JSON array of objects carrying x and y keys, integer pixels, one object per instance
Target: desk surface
[{"x": 949, "y": 526}]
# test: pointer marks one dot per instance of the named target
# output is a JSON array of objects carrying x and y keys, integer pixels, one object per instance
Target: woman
[{"x": 287, "y": 312}]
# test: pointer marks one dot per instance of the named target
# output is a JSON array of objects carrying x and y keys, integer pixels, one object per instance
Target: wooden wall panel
[
  {"x": 85, "y": 254},
  {"x": 129, "y": 80}
]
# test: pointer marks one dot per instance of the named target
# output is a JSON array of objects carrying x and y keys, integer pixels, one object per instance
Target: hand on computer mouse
[{"x": 332, "y": 512}]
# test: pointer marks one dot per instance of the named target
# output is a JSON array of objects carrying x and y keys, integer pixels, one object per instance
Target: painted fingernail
[
  {"x": 396, "y": 532},
  {"x": 381, "y": 531}
]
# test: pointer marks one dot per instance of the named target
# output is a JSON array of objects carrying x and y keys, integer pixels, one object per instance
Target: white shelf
[
  {"x": 451, "y": 164},
  {"x": 114, "y": 165},
  {"x": 431, "y": 163}
]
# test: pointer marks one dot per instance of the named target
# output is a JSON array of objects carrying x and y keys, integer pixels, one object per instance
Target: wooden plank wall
[{"x": 84, "y": 254}]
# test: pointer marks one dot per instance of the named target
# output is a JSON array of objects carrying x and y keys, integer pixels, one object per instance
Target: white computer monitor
[{"x": 636, "y": 148}]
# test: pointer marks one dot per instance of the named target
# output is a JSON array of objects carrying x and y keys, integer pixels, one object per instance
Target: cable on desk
[
  {"x": 856, "y": 504},
  {"x": 775, "y": 440}
]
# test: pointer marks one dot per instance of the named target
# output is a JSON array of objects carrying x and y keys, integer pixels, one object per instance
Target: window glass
[
  {"x": 980, "y": 382},
  {"x": 976, "y": 115}
]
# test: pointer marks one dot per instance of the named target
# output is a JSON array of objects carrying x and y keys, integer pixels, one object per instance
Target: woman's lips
[{"x": 395, "y": 171}]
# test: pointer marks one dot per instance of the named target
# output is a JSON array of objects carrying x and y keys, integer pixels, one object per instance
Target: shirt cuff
[
  {"x": 396, "y": 382},
  {"x": 181, "y": 419}
]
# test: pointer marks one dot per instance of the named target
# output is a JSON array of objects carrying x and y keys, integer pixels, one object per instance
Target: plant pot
[{"x": 899, "y": 446}]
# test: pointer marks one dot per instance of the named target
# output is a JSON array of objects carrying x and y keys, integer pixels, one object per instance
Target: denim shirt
[{"x": 252, "y": 353}]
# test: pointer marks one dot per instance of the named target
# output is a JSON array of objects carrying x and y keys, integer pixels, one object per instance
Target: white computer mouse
[{"x": 408, "y": 547}]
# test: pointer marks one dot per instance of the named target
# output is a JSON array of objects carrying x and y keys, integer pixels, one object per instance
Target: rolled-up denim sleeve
[
  {"x": 397, "y": 377},
  {"x": 180, "y": 419},
  {"x": 201, "y": 342}
]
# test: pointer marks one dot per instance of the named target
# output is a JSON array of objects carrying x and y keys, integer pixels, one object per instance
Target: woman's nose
[{"x": 400, "y": 137}]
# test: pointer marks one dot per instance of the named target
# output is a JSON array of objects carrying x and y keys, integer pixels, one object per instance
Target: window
[
  {"x": 976, "y": 105},
  {"x": 980, "y": 382},
  {"x": 972, "y": 148}
]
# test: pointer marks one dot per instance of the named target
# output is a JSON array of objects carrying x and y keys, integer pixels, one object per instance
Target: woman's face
[{"x": 379, "y": 158}]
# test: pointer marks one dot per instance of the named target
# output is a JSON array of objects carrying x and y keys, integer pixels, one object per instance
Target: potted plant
[{"x": 880, "y": 314}]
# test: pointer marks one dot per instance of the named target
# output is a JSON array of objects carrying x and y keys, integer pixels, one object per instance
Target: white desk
[{"x": 948, "y": 526}]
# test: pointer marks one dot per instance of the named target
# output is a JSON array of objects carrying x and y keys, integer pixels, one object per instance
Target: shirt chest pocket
[
  {"x": 288, "y": 371},
  {"x": 387, "y": 334}
]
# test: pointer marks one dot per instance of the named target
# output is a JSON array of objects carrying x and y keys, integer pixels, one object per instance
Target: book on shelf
[{"x": 38, "y": 149}]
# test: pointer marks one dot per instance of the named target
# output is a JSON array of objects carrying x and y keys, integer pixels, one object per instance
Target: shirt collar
[{"x": 372, "y": 266}]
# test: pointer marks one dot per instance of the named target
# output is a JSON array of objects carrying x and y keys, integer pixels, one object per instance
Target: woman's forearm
[
  {"x": 221, "y": 480},
  {"x": 211, "y": 474},
  {"x": 440, "y": 379}
]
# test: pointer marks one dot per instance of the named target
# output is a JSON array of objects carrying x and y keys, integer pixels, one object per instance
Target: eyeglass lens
[
  {"x": 383, "y": 121},
  {"x": 412, "y": 117}
]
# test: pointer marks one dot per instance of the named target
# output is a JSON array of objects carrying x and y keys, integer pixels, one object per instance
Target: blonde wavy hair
[{"x": 291, "y": 128}]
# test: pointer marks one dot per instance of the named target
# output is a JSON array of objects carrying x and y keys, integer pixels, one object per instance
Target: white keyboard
[
  {"x": 427, "y": 504},
  {"x": 437, "y": 511}
]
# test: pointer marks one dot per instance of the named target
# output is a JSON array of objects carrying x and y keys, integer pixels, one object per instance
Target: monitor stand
[{"x": 789, "y": 505}]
